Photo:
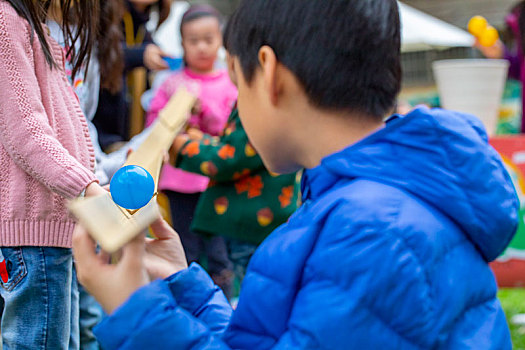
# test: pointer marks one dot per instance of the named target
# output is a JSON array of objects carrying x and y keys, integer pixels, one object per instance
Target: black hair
[
  {"x": 81, "y": 15},
  {"x": 345, "y": 53},
  {"x": 199, "y": 11}
]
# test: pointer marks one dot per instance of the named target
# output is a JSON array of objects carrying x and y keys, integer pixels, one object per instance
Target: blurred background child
[
  {"x": 201, "y": 39},
  {"x": 244, "y": 202},
  {"x": 138, "y": 50}
]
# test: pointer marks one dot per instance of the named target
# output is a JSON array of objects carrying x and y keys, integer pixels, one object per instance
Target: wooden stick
[{"x": 112, "y": 226}]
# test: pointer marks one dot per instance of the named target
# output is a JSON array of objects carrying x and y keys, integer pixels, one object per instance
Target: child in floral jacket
[{"x": 244, "y": 201}]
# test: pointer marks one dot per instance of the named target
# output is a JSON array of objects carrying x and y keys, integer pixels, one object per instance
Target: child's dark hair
[
  {"x": 346, "y": 54},
  {"x": 81, "y": 15},
  {"x": 199, "y": 11}
]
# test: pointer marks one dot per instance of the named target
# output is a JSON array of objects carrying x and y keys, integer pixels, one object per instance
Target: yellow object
[
  {"x": 477, "y": 25},
  {"x": 485, "y": 33},
  {"x": 489, "y": 37}
]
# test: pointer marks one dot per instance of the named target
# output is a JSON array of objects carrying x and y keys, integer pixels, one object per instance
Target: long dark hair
[
  {"x": 79, "y": 25},
  {"x": 109, "y": 45}
]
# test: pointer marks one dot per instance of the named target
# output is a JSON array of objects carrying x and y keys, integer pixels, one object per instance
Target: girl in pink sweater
[
  {"x": 201, "y": 40},
  {"x": 46, "y": 158}
]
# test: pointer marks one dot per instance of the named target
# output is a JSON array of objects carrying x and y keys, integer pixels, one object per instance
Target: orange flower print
[
  {"x": 206, "y": 142},
  {"x": 209, "y": 169},
  {"x": 221, "y": 205},
  {"x": 285, "y": 198},
  {"x": 191, "y": 149},
  {"x": 252, "y": 185},
  {"x": 264, "y": 217},
  {"x": 226, "y": 152},
  {"x": 237, "y": 175},
  {"x": 249, "y": 150}
]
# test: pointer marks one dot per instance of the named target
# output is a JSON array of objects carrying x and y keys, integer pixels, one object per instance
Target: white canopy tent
[{"x": 420, "y": 32}]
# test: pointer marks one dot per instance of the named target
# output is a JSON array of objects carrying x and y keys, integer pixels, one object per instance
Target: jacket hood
[{"x": 443, "y": 158}]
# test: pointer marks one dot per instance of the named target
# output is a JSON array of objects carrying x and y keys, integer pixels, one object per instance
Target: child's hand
[
  {"x": 177, "y": 145},
  {"x": 110, "y": 284},
  {"x": 153, "y": 58},
  {"x": 495, "y": 51},
  {"x": 94, "y": 189},
  {"x": 164, "y": 255},
  {"x": 195, "y": 134}
]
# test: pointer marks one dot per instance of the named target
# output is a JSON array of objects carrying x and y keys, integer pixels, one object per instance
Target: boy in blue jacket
[{"x": 390, "y": 248}]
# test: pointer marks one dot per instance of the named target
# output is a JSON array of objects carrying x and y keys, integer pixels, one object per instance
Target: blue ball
[{"x": 132, "y": 187}]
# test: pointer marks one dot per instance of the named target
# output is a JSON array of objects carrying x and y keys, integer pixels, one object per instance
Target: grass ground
[{"x": 513, "y": 301}]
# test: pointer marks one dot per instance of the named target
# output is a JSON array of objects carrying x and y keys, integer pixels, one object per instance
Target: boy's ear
[
  {"x": 230, "y": 62},
  {"x": 268, "y": 62}
]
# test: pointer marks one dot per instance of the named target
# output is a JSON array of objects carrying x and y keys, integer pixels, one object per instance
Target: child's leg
[
  {"x": 38, "y": 308},
  {"x": 182, "y": 207},
  {"x": 90, "y": 315},
  {"x": 219, "y": 265},
  {"x": 74, "y": 335},
  {"x": 240, "y": 254}
]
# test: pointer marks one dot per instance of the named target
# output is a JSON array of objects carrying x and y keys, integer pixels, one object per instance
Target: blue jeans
[
  {"x": 90, "y": 315},
  {"x": 41, "y": 299}
]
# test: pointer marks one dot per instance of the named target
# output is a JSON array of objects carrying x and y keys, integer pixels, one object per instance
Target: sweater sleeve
[
  {"x": 221, "y": 159},
  {"x": 133, "y": 57},
  {"x": 24, "y": 117}
]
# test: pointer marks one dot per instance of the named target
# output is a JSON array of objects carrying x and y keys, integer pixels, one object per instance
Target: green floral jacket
[{"x": 244, "y": 201}]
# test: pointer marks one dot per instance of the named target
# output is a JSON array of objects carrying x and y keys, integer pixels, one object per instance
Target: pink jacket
[
  {"x": 46, "y": 154},
  {"x": 217, "y": 95}
]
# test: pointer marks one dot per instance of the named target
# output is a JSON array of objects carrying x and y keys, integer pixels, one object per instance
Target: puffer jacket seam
[
  {"x": 457, "y": 319},
  {"x": 392, "y": 230},
  {"x": 443, "y": 135},
  {"x": 387, "y": 326}
]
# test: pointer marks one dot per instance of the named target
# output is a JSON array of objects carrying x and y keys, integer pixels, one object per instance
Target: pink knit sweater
[{"x": 46, "y": 154}]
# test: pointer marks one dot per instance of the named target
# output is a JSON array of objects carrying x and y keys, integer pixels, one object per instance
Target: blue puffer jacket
[{"x": 388, "y": 251}]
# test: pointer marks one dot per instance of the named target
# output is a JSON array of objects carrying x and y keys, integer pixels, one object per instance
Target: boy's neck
[{"x": 324, "y": 133}]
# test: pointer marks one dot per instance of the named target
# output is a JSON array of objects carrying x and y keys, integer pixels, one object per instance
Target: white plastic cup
[{"x": 473, "y": 86}]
